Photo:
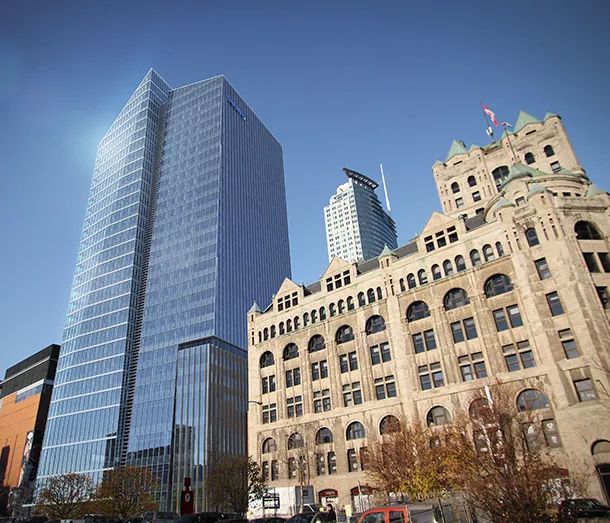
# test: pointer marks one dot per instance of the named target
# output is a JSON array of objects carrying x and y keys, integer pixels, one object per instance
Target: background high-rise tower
[
  {"x": 187, "y": 200},
  {"x": 357, "y": 227}
]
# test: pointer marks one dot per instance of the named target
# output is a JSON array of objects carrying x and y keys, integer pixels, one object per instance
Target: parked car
[
  {"x": 411, "y": 513},
  {"x": 270, "y": 519},
  {"x": 207, "y": 517},
  {"x": 311, "y": 517},
  {"x": 160, "y": 517},
  {"x": 583, "y": 508}
]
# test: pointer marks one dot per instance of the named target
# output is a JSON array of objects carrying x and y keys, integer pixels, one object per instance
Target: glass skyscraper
[
  {"x": 185, "y": 227},
  {"x": 357, "y": 227}
]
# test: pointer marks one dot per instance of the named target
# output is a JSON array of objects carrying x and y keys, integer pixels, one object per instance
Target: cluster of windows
[
  {"x": 290, "y": 300},
  {"x": 316, "y": 315},
  {"x": 451, "y": 267},
  {"x": 507, "y": 317},
  {"x": 338, "y": 280},
  {"x": 518, "y": 356},
  {"x": 544, "y": 431},
  {"x": 440, "y": 239},
  {"x": 456, "y": 298},
  {"x": 455, "y": 189}
]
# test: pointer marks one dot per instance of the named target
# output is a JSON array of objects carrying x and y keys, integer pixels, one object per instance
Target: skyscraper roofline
[{"x": 360, "y": 178}]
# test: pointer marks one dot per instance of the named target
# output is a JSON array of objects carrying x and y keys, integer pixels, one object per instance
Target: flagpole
[{"x": 510, "y": 144}]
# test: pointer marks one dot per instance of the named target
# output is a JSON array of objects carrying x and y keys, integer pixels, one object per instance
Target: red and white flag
[{"x": 491, "y": 114}]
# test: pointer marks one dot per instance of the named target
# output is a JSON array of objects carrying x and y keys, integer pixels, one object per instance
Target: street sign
[{"x": 271, "y": 501}]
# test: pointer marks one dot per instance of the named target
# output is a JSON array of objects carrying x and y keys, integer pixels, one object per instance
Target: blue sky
[{"x": 338, "y": 83}]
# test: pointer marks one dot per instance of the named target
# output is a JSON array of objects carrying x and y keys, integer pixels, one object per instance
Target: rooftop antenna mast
[{"x": 385, "y": 190}]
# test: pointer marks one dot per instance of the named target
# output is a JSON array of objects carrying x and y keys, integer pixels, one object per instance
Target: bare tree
[
  {"x": 414, "y": 460},
  {"x": 233, "y": 481},
  {"x": 126, "y": 492},
  {"x": 494, "y": 455},
  {"x": 509, "y": 474},
  {"x": 65, "y": 496}
]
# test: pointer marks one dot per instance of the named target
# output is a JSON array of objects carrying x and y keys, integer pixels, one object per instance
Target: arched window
[
  {"x": 438, "y": 416},
  {"x": 305, "y": 319},
  {"x": 475, "y": 257},
  {"x": 472, "y": 181},
  {"x": 282, "y": 329},
  {"x": 370, "y": 295},
  {"x": 548, "y": 150},
  {"x": 499, "y": 249},
  {"x": 417, "y": 310},
  {"x": 344, "y": 334},
  {"x": 341, "y": 306},
  {"x": 332, "y": 310},
  {"x": 601, "y": 446},
  {"x": 314, "y": 316},
  {"x": 375, "y": 324},
  {"x": 272, "y": 331},
  {"x": 401, "y": 282},
  {"x": 322, "y": 313},
  {"x": 586, "y": 231},
  {"x": 265, "y": 333},
  {"x": 269, "y": 446},
  {"x": 361, "y": 301},
  {"x": 532, "y": 399},
  {"x": 295, "y": 441},
  {"x": 288, "y": 325},
  {"x": 498, "y": 284},
  {"x": 291, "y": 351},
  {"x": 479, "y": 408},
  {"x": 411, "y": 283},
  {"x": 316, "y": 343},
  {"x": 350, "y": 303},
  {"x": 488, "y": 253},
  {"x": 529, "y": 158},
  {"x": 295, "y": 322},
  {"x": 500, "y": 174},
  {"x": 456, "y": 298},
  {"x": 421, "y": 276},
  {"x": 448, "y": 267},
  {"x": 460, "y": 263},
  {"x": 324, "y": 435},
  {"x": 379, "y": 293},
  {"x": 455, "y": 187},
  {"x": 266, "y": 360},
  {"x": 436, "y": 272},
  {"x": 531, "y": 237},
  {"x": 389, "y": 424},
  {"x": 355, "y": 430}
]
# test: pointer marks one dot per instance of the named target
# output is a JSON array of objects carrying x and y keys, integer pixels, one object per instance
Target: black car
[
  {"x": 311, "y": 517},
  {"x": 270, "y": 519},
  {"x": 583, "y": 508},
  {"x": 206, "y": 517}
]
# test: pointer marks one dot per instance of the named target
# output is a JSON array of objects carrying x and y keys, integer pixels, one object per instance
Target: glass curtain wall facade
[
  {"x": 98, "y": 338},
  {"x": 213, "y": 238}
]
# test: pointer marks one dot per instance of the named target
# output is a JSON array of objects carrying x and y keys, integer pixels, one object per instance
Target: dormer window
[
  {"x": 338, "y": 280},
  {"x": 285, "y": 302}
]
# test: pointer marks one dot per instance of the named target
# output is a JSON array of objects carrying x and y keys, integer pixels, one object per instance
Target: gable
[
  {"x": 336, "y": 265},
  {"x": 438, "y": 221},
  {"x": 287, "y": 287}
]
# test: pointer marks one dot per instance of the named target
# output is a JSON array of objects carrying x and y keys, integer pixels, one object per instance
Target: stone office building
[{"x": 509, "y": 283}]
